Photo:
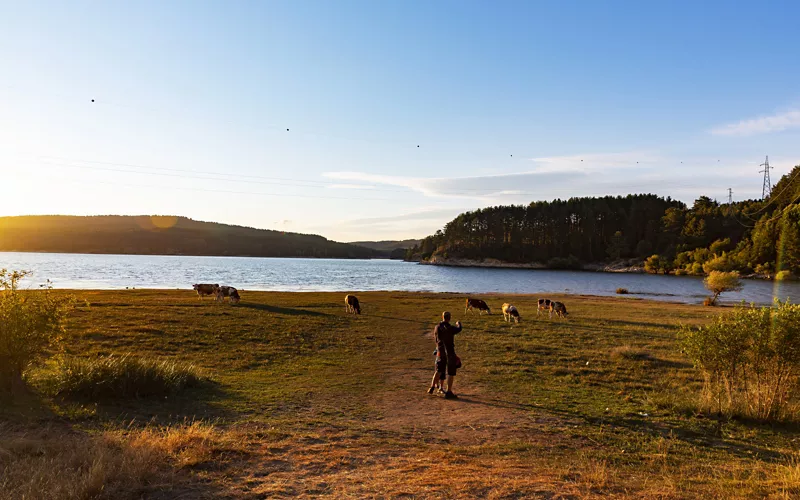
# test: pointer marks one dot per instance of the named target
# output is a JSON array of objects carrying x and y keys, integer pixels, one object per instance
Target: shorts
[{"x": 443, "y": 365}]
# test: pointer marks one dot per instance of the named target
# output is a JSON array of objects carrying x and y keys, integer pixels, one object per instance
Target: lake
[{"x": 83, "y": 271}]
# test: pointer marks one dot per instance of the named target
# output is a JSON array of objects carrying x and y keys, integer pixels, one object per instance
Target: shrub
[
  {"x": 31, "y": 322},
  {"x": 622, "y": 291},
  {"x": 653, "y": 264},
  {"x": 783, "y": 275},
  {"x": 765, "y": 268},
  {"x": 719, "y": 282},
  {"x": 123, "y": 377},
  {"x": 750, "y": 360}
]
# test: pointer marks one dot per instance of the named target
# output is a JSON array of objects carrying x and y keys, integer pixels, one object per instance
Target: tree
[
  {"x": 31, "y": 322},
  {"x": 718, "y": 282},
  {"x": 617, "y": 246},
  {"x": 653, "y": 264}
]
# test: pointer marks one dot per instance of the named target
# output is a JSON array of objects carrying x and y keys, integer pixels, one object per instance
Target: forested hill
[
  {"x": 749, "y": 236},
  {"x": 389, "y": 248},
  {"x": 161, "y": 235}
]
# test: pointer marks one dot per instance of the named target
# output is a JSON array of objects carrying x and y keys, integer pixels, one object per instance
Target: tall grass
[
  {"x": 123, "y": 376},
  {"x": 56, "y": 463}
]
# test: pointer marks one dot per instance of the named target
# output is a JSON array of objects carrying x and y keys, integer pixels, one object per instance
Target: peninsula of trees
[
  {"x": 665, "y": 235},
  {"x": 163, "y": 235}
]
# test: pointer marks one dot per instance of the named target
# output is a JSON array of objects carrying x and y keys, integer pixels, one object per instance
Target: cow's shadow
[{"x": 289, "y": 311}]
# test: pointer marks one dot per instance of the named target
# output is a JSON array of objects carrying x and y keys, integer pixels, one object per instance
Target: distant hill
[
  {"x": 162, "y": 235},
  {"x": 389, "y": 248}
]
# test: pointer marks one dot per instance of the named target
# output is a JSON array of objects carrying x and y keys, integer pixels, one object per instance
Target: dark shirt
[{"x": 445, "y": 336}]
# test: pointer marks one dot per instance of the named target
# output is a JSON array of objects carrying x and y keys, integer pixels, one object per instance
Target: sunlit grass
[{"x": 308, "y": 400}]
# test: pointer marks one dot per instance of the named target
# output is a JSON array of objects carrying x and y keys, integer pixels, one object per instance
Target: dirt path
[{"x": 478, "y": 415}]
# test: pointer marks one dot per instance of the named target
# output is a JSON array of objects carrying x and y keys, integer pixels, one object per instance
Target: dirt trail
[{"x": 476, "y": 417}]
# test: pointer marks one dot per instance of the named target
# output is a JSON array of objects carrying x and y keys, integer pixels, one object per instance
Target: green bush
[
  {"x": 750, "y": 360},
  {"x": 622, "y": 291},
  {"x": 653, "y": 264},
  {"x": 123, "y": 376},
  {"x": 765, "y": 268},
  {"x": 31, "y": 325},
  {"x": 783, "y": 275}
]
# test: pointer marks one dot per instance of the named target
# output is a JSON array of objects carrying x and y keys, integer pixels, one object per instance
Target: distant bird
[
  {"x": 287, "y": 129},
  {"x": 92, "y": 100}
]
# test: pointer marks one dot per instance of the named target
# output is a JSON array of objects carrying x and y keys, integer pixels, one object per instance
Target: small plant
[
  {"x": 718, "y": 282},
  {"x": 750, "y": 360},
  {"x": 31, "y": 324},
  {"x": 628, "y": 352},
  {"x": 622, "y": 291},
  {"x": 123, "y": 377},
  {"x": 783, "y": 275}
]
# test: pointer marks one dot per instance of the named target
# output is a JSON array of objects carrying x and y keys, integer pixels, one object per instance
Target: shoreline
[
  {"x": 614, "y": 267},
  {"x": 654, "y": 298}
]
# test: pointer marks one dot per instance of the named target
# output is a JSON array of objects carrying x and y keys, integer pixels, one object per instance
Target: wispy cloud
[
  {"x": 537, "y": 182},
  {"x": 579, "y": 175},
  {"x": 761, "y": 125},
  {"x": 350, "y": 186}
]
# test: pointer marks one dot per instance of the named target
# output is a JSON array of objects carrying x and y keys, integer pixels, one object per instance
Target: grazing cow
[
  {"x": 228, "y": 291},
  {"x": 559, "y": 308},
  {"x": 352, "y": 305},
  {"x": 544, "y": 305},
  {"x": 205, "y": 289},
  {"x": 477, "y": 304},
  {"x": 510, "y": 312}
]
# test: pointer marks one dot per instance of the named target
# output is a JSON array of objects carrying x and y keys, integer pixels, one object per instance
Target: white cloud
[
  {"x": 514, "y": 187},
  {"x": 761, "y": 125}
]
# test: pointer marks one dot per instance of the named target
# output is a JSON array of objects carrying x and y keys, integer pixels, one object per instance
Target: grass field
[{"x": 306, "y": 400}]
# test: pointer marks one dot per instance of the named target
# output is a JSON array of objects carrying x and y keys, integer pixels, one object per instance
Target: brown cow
[
  {"x": 477, "y": 304},
  {"x": 205, "y": 289},
  {"x": 228, "y": 291},
  {"x": 352, "y": 305},
  {"x": 559, "y": 308},
  {"x": 544, "y": 305},
  {"x": 510, "y": 312}
]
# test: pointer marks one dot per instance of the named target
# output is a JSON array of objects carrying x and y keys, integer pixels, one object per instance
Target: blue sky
[{"x": 400, "y": 114}]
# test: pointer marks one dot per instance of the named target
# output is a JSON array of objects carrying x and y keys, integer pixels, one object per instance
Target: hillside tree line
[{"x": 666, "y": 234}]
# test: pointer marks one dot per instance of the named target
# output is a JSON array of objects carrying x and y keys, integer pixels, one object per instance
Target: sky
[{"x": 376, "y": 120}]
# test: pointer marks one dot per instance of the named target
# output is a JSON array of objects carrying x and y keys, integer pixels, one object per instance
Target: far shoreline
[{"x": 612, "y": 268}]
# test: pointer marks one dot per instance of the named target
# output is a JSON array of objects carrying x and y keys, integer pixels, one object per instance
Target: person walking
[{"x": 446, "y": 359}]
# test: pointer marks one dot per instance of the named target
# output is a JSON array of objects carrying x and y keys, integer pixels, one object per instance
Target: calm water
[{"x": 250, "y": 273}]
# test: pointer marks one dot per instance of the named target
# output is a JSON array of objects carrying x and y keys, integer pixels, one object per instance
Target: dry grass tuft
[
  {"x": 788, "y": 476},
  {"x": 61, "y": 464},
  {"x": 629, "y": 352}
]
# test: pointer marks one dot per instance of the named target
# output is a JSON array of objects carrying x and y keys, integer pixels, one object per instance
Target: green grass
[
  {"x": 326, "y": 403},
  {"x": 125, "y": 376}
]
